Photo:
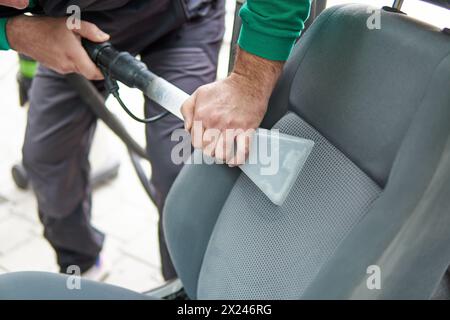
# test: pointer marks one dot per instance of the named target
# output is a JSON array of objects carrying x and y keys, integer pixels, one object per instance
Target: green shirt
[
  {"x": 4, "y": 44},
  {"x": 270, "y": 28}
]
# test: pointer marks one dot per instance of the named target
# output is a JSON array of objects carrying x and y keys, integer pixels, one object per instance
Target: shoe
[{"x": 99, "y": 271}]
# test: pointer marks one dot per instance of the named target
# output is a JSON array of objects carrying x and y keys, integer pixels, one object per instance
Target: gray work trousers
[{"x": 60, "y": 129}]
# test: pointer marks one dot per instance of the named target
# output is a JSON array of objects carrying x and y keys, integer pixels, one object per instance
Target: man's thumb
[
  {"x": 187, "y": 110},
  {"x": 91, "y": 32}
]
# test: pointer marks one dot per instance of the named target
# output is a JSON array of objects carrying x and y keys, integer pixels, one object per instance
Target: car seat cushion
[{"x": 261, "y": 251}]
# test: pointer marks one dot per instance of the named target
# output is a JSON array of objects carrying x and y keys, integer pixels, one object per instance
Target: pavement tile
[
  {"x": 122, "y": 225},
  {"x": 112, "y": 250},
  {"x": 33, "y": 255},
  {"x": 24, "y": 205},
  {"x": 135, "y": 275},
  {"x": 13, "y": 232},
  {"x": 145, "y": 247},
  {"x": 4, "y": 212}
]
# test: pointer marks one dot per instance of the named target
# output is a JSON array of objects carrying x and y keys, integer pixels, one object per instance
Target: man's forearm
[
  {"x": 260, "y": 73},
  {"x": 10, "y": 11},
  {"x": 270, "y": 28},
  {"x": 239, "y": 102},
  {"x": 52, "y": 44}
]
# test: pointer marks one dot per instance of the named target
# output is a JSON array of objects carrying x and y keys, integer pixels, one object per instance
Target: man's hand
[
  {"x": 18, "y": 4},
  {"x": 238, "y": 102},
  {"x": 49, "y": 41}
]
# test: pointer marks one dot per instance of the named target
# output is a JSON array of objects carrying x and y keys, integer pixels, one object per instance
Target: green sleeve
[
  {"x": 4, "y": 44},
  {"x": 270, "y": 28}
]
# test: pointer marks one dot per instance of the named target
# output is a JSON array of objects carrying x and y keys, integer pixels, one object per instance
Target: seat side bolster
[{"x": 192, "y": 208}]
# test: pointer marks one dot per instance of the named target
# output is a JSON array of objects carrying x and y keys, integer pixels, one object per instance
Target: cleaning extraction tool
[{"x": 274, "y": 174}]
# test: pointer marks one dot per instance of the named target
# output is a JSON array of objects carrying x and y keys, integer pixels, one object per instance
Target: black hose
[
  {"x": 143, "y": 178},
  {"x": 90, "y": 95}
]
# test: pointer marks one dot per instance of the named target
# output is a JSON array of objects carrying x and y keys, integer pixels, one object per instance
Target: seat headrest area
[{"x": 351, "y": 81}]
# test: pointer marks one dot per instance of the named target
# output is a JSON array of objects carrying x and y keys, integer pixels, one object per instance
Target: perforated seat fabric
[
  {"x": 261, "y": 251},
  {"x": 378, "y": 103}
]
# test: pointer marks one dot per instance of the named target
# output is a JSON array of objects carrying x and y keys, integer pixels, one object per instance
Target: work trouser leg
[
  {"x": 188, "y": 60},
  {"x": 57, "y": 141}
]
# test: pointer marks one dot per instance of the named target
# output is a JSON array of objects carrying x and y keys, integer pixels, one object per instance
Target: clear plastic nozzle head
[{"x": 275, "y": 162}]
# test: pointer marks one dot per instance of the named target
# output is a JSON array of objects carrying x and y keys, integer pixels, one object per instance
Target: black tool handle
[{"x": 121, "y": 66}]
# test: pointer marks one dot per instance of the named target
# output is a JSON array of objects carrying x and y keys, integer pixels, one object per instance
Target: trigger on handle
[{"x": 93, "y": 49}]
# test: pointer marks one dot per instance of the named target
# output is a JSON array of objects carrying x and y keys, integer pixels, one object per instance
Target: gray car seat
[{"x": 373, "y": 192}]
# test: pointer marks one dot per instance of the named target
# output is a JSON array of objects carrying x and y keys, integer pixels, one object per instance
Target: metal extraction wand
[{"x": 288, "y": 153}]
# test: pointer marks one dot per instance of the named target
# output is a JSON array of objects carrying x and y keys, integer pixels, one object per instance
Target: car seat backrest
[{"x": 360, "y": 87}]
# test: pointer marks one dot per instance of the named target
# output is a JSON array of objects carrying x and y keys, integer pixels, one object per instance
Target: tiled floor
[{"x": 121, "y": 208}]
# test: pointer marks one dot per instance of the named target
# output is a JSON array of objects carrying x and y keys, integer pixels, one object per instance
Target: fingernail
[
  {"x": 102, "y": 35},
  {"x": 22, "y": 4}
]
